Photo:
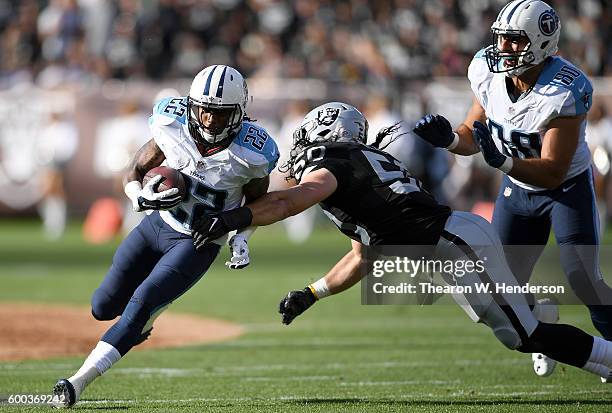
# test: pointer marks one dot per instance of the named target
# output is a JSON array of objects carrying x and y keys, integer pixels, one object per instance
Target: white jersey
[
  {"x": 214, "y": 182},
  {"x": 518, "y": 127}
]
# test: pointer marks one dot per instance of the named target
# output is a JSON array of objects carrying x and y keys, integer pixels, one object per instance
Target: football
[{"x": 172, "y": 179}]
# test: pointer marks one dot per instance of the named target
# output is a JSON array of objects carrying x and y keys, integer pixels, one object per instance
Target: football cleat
[
  {"x": 545, "y": 311},
  {"x": 64, "y": 394},
  {"x": 543, "y": 365}
]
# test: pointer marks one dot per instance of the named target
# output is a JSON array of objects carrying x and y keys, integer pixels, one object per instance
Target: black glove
[
  {"x": 207, "y": 228},
  {"x": 435, "y": 129},
  {"x": 484, "y": 140},
  {"x": 295, "y": 303}
]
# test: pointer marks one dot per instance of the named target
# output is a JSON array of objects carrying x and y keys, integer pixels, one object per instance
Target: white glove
[
  {"x": 240, "y": 252},
  {"x": 146, "y": 198}
]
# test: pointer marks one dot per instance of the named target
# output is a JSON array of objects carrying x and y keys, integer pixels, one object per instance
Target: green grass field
[{"x": 339, "y": 356}]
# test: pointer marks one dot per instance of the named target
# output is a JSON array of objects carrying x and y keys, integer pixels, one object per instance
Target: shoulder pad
[
  {"x": 478, "y": 72},
  {"x": 169, "y": 110},
  {"x": 570, "y": 89},
  {"x": 253, "y": 146}
]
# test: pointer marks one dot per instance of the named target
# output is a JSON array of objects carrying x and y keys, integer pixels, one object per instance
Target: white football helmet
[
  {"x": 334, "y": 121},
  {"x": 217, "y": 88},
  {"x": 533, "y": 19}
]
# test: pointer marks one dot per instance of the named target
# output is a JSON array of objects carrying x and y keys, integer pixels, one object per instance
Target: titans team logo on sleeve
[{"x": 549, "y": 22}]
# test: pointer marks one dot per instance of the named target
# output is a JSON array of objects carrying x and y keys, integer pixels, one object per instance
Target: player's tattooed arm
[{"x": 147, "y": 157}]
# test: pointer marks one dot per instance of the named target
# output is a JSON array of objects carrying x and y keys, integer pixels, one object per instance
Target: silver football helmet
[
  {"x": 533, "y": 19},
  {"x": 222, "y": 90},
  {"x": 330, "y": 122}
]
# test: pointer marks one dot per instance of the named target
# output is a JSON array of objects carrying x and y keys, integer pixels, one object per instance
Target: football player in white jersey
[
  {"x": 528, "y": 119},
  {"x": 224, "y": 157}
]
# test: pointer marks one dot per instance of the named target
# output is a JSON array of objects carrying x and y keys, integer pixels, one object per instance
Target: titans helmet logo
[
  {"x": 548, "y": 22},
  {"x": 328, "y": 116}
]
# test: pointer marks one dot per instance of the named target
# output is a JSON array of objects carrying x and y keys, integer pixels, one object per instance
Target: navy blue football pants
[
  {"x": 152, "y": 267},
  {"x": 525, "y": 218}
]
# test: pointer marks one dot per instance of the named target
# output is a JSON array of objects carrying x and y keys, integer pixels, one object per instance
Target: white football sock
[
  {"x": 598, "y": 369},
  {"x": 101, "y": 358},
  {"x": 601, "y": 352}
]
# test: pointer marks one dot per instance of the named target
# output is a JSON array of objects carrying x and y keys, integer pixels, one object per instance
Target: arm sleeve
[
  {"x": 577, "y": 100},
  {"x": 479, "y": 76}
]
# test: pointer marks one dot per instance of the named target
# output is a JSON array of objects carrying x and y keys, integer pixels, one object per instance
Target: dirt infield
[{"x": 36, "y": 331}]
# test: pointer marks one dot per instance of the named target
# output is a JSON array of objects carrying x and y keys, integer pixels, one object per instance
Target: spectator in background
[
  {"x": 362, "y": 42},
  {"x": 300, "y": 226},
  {"x": 57, "y": 143},
  {"x": 117, "y": 141}
]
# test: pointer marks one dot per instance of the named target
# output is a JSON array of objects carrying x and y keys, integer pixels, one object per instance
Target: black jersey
[{"x": 376, "y": 202}]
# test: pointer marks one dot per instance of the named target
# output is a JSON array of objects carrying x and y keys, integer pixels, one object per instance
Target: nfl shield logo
[{"x": 507, "y": 191}]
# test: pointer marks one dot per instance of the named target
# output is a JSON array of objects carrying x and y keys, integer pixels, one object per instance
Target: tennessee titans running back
[{"x": 224, "y": 158}]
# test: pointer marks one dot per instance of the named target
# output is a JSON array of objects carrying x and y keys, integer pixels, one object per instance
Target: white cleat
[
  {"x": 64, "y": 394},
  {"x": 607, "y": 379},
  {"x": 545, "y": 311},
  {"x": 542, "y": 365}
]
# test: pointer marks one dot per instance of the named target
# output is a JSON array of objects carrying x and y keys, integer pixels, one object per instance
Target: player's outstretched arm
[
  {"x": 437, "y": 130},
  {"x": 268, "y": 209},
  {"x": 346, "y": 273},
  {"x": 238, "y": 244},
  {"x": 466, "y": 144}
]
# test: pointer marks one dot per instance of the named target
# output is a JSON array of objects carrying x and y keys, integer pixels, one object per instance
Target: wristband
[
  {"x": 320, "y": 289},
  {"x": 454, "y": 143},
  {"x": 506, "y": 167},
  {"x": 132, "y": 189},
  {"x": 237, "y": 218},
  {"x": 247, "y": 232}
]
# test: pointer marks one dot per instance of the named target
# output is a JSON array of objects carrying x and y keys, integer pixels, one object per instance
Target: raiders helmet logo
[{"x": 328, "y": 116}]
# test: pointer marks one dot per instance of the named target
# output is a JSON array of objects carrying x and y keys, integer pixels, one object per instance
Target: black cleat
[{"x": 64, "y": 394}]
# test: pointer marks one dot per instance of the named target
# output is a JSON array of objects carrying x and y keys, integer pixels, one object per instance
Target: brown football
[{"x": 172, "y": 179}]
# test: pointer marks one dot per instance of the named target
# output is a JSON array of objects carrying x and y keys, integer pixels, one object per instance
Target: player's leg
[
  {"x": 576, "y": 226},
  {"x": 522, "y": 226},
  {"x": 468, "y": 236},
  {"x": 522, "y": 220},
  {"x": 132, "y": 262},
  {"x": 179, "y": 269}
]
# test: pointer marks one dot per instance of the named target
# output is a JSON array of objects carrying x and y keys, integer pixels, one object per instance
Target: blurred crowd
[
  {"x": 390, "y": 50},
  {"x": 375, "y": 42}
]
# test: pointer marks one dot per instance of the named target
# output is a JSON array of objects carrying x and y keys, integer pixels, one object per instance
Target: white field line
[
  {"x": 14, "y": 369},
  {"x": 400, "y": 382},
  {"x": 415, "y": 396}
]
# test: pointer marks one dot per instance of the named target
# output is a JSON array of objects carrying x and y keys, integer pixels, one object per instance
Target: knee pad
[
  {"x": 103, "y": 306},
  {"x": 508, "y": 337},
  {"x": 502, "y": 327}
]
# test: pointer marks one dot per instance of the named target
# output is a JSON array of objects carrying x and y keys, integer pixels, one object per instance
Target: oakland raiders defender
[
  {"x": 374, "y": 201},
  {"x": 535, "y": 106},
  {"x": 223, "y": 157}
]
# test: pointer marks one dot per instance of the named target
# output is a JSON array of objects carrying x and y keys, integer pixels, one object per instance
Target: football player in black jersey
[{"x": 374, "y": 201}]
